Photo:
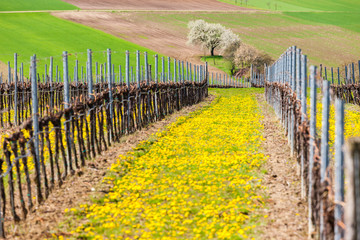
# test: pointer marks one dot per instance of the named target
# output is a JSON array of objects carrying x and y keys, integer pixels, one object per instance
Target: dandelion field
[
  {"x": 199, "y": 179},
  {"x": 351, "y": 127}
]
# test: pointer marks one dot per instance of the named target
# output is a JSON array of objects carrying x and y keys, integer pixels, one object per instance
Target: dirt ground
[
  {"x": 3, "y": 68},
  {"x": 287, "y": 212},
  {"x": 85, "y": 184},
  {"x": 169, "y": 41},
  {"x": 153, "y": 5}
]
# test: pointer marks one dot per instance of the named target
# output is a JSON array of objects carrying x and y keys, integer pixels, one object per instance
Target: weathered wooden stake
[
  {"x": 313, "y": 74},
  {"x": 16, "y": 90},
  {"x": 67, "y": 105},
  {"x": 324, "y": 150},
  {"x": 352, "y": 210},
  {"x": 110, "y": 86},
  {"x": 90, "y": 77},
  {"x": 339, "y": 169}
]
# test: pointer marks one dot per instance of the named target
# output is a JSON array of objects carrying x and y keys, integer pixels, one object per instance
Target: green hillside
[
  {"x": 46, "y": 35},
  {"x": 299, "y": 5},
  {"x": 347, "y": 20},
  {"x": 33, "y": 5}
]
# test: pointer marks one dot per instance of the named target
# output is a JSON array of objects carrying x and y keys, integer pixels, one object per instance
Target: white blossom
[{"x": 211, "y": 36}]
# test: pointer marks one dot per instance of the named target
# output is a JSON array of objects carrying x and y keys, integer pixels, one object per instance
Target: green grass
[
  {"x": 218, "y": 62},
  {"x": 46, "y": 35},
  {"x": 299, "y": 5},
  {"x": 347, "y": 20},
  {"x": 231, "y": 20},
  {"x": 33, "y": 5},
  {"x": 325, "y": 42},
  {"x": 319, "y": 27}
]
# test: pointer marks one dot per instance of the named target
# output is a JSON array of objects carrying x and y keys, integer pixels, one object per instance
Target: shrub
[{"x": 247, "y": 55}]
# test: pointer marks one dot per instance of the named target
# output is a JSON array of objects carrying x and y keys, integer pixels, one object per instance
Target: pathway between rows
[{"x": 202, "y": 178}]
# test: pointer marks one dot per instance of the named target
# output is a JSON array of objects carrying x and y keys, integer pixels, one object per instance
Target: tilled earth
[
  {"x": 158, "y": 37},
  {"x": 153, "y": 5}
]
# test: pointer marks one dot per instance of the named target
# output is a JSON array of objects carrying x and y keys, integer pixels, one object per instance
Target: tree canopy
[{"x": 211, "y": 36}]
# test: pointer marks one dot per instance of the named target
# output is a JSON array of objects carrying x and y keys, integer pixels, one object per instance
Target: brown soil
[
  {"x": 287, "y": 213},
  {"x": 3, "y": 69},
  {"x": 167, "y": 40},
  {"x": 84, "y": 185},
  {"x": 153, "y": 5}
]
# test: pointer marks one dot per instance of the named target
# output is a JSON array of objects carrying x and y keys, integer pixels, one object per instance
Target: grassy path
[{"x": 197, "y": 180}]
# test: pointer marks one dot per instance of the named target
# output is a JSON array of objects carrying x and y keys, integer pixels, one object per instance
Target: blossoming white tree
[
  {"x": 230, "y": 42},
  {"x": 211, "y": 36}
]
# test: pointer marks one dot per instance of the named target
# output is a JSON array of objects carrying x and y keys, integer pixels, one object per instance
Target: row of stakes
[
  {"x": 291, "y": 69},
  {"x": 181, "y": 72}
]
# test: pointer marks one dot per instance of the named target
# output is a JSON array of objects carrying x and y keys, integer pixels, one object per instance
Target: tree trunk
[{"x": 212, "y": 51}]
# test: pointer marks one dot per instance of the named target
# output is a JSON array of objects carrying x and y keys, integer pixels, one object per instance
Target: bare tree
[{"x": 246, "y": 55}]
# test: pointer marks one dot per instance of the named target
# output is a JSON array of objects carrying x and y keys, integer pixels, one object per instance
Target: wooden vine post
[
  {"x": 352, "y": 210},
  {"x": 67, "y": 113},
  {"x": 35, "y": 117}
]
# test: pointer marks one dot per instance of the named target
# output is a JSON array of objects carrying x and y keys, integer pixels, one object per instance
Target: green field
[
  {"x": 46, "y": 35},
  {"x": 346, "y": 20},
  {"x": 328, "y": 30},
  {"x": 297, "y": 5},
  {"x": 218, "y": 62},
  {"x": 33, "y": 5},
  {"x": 273, "y": 32}
]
